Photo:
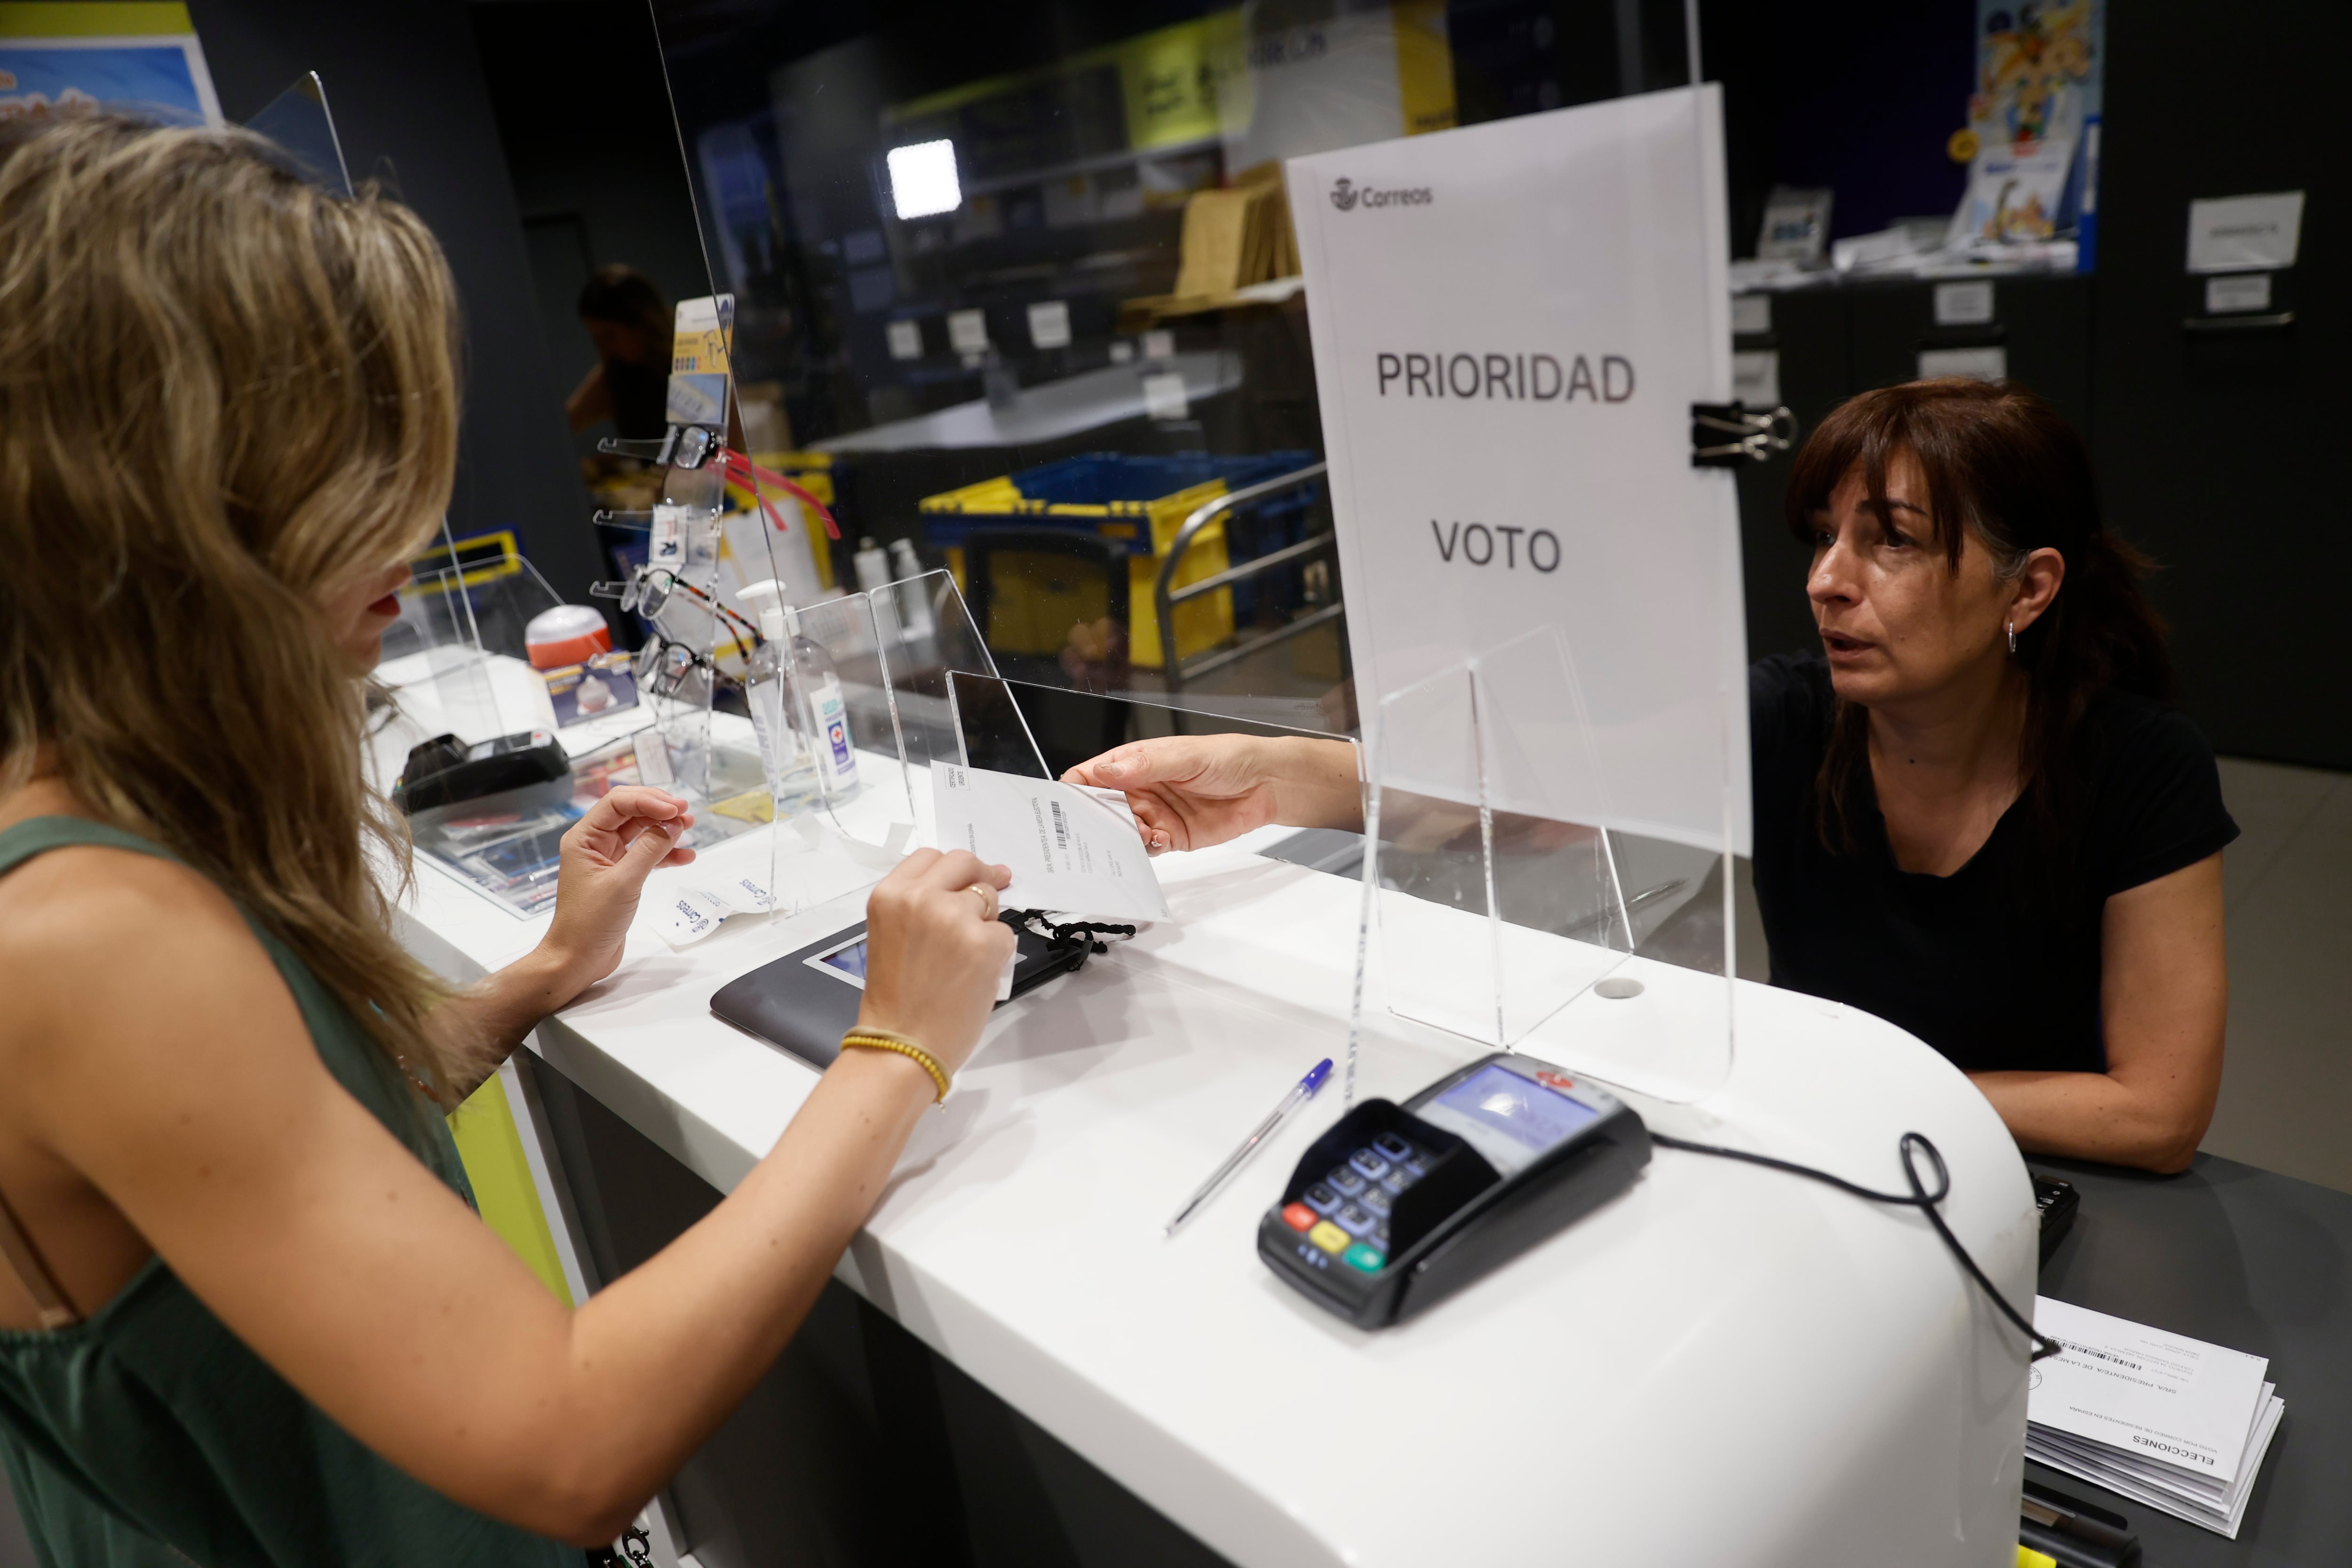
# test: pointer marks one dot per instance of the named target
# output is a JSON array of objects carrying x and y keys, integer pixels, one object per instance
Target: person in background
[
  {"x": 1977, "y": 815},
  {"x": 248, "y": 1317},
  {"x": 629, "y": 323}
]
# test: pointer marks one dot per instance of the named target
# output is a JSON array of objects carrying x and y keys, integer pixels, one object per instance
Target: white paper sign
[
  {"x": 905, "y": 340},
  {"x": 1510, "y": 323},
  {"x": 1163, "y": 395},
  {"x": 1049, "y": 324},
  {"x": 1964, "y": 304},
  {"x": 1068, "y": 852},
  {"x": 968, "y": 331},
  {"x": 1987, "y": 363},
  {"x": 2237, "y": 292},
  {"x": 2233, "y": 234}
]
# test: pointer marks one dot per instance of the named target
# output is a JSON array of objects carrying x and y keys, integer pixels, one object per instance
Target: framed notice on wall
[{"x": 1511, "y": 322}]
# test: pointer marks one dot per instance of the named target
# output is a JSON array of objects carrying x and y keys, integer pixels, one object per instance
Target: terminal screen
[
  {"x": 849, "y": 961},
  {"x": 1508, "y": 1119}
]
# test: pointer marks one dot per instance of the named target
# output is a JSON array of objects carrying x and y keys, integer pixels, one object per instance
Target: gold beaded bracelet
[{"x": 863, "y": 1038}]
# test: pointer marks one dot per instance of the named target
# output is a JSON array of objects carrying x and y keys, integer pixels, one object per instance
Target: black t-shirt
[{"x": 1984, "y": 964}]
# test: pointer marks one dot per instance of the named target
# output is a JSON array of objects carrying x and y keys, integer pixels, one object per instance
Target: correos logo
[{"x": 1345, "y": 197}]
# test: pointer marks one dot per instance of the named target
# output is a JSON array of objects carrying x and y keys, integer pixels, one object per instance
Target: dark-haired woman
[{"x": 1976, "y": 816}]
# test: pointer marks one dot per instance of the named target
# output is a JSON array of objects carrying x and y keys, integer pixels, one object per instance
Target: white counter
[{"x": 1724, "y": 1366}]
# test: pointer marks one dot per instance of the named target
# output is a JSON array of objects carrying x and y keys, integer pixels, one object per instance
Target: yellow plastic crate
[{"x": 1139, "y": 503}]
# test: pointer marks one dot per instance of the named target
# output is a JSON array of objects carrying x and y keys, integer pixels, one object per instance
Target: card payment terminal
[{"x": 1397, "y": 1207}]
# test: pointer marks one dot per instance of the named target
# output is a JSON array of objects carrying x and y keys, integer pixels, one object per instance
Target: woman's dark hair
[
  {"x": 623, "y": 295},
  {"x": 2006, "y": 473}
]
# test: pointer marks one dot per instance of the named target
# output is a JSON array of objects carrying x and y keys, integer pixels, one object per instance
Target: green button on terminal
[{"x": 1370, "y": 1259}]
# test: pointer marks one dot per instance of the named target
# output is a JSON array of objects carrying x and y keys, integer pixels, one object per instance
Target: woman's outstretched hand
[
  {"x": 1189, "y": 792},
  {"x": 935, "y": 951},
  {"x": 606, "y": 857}
]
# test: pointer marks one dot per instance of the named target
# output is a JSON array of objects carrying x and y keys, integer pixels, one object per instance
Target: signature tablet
[{"x": 803, "y": 1003}]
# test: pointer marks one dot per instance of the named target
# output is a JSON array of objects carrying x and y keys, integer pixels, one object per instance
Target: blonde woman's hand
[
  {"x": 935, "y": 951},
  {"x": 605, "y": 858}
]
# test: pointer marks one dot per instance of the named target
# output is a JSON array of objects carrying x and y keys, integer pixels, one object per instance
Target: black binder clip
[{"x": 1756, "y": 435}]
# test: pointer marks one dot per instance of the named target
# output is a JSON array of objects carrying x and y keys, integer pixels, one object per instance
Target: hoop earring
[{"x": 2012, "y": 636}]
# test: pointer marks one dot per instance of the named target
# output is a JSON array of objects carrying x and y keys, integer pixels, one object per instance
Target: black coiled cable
[{"x": 1919, "y": 1199}]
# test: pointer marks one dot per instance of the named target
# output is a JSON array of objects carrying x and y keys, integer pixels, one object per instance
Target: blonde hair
[{"x": 223, "y": 393}]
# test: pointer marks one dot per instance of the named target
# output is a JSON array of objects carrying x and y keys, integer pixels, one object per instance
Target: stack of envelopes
[{"x": 2164, "y": 1419}]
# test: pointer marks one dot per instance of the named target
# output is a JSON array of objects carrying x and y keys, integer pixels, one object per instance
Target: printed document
[{"x": 1070, "y": 850}]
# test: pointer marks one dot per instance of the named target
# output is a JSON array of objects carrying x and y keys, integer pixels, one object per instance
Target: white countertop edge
[{"x": 1863, "y": 1061}]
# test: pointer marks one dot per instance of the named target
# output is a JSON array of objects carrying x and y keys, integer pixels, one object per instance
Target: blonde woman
[{"x": 246, "y": 1313}]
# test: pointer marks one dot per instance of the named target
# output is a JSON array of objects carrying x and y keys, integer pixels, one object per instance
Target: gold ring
[{"x": 987, "y": 900}]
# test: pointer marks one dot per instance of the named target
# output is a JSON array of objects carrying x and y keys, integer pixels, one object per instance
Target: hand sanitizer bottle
[
  {"x": 822, "y": 714},
  {"x": 791, "y": 765},
  {"x": 873, "y": 567},
  {"x": 914, "y": 598}
]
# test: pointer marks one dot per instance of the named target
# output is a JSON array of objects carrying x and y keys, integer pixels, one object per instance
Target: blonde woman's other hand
[
  {"x": 606, "y": 855},
  {"x": 935, "y": 951},
  {"x": 1189, "y": 792}
]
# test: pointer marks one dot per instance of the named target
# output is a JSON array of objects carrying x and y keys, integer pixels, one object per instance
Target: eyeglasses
[
  {"x": 650, "y": 589},
  {"x": 680, "y": 447},
  {"x": 694, "y": 445},
  {"x": 647, "y": 590},
  {"x": 662, "y": 666}
]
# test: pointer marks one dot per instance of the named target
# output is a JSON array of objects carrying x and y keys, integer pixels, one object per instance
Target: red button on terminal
[{"x": 1299, "y": 1216}]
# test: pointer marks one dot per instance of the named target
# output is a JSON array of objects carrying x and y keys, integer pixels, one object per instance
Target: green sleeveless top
[{"x": 147, "y": 1433}]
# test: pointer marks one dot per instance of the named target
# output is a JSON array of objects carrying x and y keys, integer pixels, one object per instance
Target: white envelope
[{"x": 1070, "y": 850}]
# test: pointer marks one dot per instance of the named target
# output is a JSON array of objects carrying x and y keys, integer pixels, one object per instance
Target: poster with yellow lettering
[
  {"x": 697, "y": 364},
  {"x": 61, "y": 59}
]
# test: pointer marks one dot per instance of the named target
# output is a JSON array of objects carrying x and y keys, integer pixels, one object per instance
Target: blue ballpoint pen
[{"x": 1300, "y": 1093}]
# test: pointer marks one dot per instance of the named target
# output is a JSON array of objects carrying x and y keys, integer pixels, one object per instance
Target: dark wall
[
  {"x": 582, "y": 112},
  {"x": 406, "y": 89},
  {"x": 2219, "y": 441},
  {"x": 1855, "y": 95}
]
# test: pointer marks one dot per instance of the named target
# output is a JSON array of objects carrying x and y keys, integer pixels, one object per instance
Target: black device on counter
[
  {"x": 444, "y": 771},
  {"x": 2056, "y": 1201},
  {"x": 803, "y": 1003},
  {"x": 1399, "y": 1206},
  {"x": 2075, "y": 1532}
]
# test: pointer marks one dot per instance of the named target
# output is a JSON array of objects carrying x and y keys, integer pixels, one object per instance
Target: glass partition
[
  {"x": 298, "y": 120},
  {"x": 1030, "y": 428},
  {"x": 456, "y": 658},
  {"x": 1505, "y": 906}
]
